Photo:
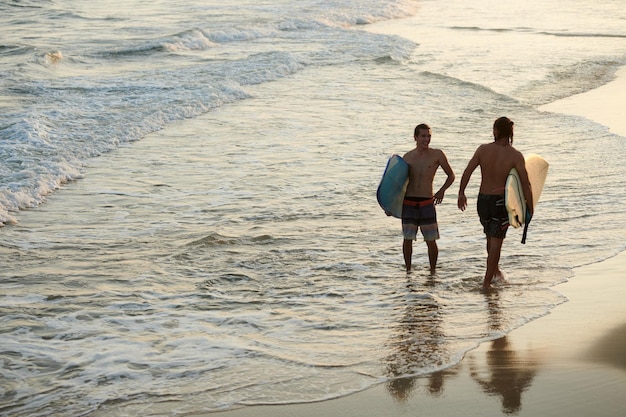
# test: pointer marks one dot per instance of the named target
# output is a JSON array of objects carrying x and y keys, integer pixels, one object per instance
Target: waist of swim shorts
[{"x": 418, "y": 203}]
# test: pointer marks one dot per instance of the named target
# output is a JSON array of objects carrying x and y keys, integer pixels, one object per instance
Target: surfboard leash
[{"x": 528, "y": 218}]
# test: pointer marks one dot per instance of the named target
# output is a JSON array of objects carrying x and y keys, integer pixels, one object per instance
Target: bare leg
[
  {"x": 497, "y": 270},
  {"x": 433, "y": 254},
  {"x": 407, "y": 250},
  {"x": 494, "y": 247}
]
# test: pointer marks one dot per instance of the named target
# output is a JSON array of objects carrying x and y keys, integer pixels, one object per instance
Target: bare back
[{"x": 496, "y": 161}]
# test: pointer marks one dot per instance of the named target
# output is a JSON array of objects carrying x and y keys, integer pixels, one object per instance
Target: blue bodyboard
[{"x": 392, "y": 187}]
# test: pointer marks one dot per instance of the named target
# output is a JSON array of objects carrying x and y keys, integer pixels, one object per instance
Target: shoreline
[
  {"x": 569, "y": 362},
  {"x": 604, "y": 105}
]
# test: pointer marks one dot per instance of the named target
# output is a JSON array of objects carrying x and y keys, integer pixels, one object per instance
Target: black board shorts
[{"x": 493, "y": 215}]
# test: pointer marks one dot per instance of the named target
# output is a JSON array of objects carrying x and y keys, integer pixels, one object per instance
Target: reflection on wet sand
[
  {"x": 507, "y": 375},
  {"x": 414, "y": 344}
]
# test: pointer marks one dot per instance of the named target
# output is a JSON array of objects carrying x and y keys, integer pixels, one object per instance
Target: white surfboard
[
  {"x": 537, "y": 169},
  {"x": 392, "y": 187}
]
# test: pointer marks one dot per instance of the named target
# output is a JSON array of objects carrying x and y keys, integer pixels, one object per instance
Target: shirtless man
[
  {"x": 418, "y": 208},
  {"x": 495, "y": 160}
]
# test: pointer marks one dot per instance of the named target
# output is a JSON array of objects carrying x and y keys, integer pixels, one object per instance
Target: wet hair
[
  {"x": 504, "y": 126},
  {"x": 419, "y": 127}
]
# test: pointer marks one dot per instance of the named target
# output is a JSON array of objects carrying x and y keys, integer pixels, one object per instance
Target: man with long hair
[{"x": 495, "y": 159}]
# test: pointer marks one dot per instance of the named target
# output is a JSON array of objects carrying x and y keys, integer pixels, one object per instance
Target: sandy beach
[
  {"x": 604, "y": 104},
  {"x": 568, "y": 363}
]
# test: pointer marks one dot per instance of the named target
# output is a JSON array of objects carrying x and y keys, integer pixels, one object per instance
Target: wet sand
[{"x": 568, "y": 363}]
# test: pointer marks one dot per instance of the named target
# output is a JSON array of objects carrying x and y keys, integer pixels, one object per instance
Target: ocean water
[{"x": 188, "y": 193}]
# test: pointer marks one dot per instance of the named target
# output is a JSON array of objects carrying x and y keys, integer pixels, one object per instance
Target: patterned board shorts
[
  {"x": 493, "y": 215},
  {"x": 419, "y": 213}
]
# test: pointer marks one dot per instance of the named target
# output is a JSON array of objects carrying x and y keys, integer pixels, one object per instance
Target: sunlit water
[{"x": 238, "y": 256}]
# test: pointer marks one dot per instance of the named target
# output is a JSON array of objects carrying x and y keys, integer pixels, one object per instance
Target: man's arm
[
  {"x": 445, "y": 165},
  {"x": 471, "y": 166}
]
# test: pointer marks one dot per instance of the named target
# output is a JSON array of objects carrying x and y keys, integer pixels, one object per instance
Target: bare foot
[{"x": 499, "y": 278}]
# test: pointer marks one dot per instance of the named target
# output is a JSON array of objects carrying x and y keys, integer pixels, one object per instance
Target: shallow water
[{"x": 240, "y": 257}]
